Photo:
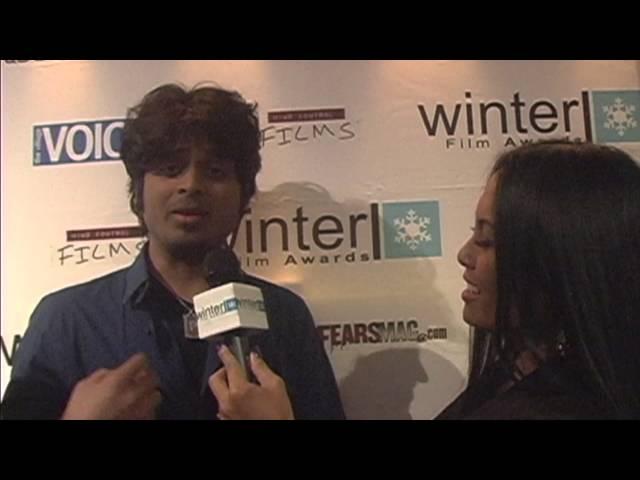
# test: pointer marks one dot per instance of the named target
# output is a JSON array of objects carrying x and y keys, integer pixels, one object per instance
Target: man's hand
[{"x": 129, "y": 392}]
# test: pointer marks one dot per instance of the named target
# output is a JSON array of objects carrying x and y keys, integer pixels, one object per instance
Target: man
[{"x": 115, "y": 347}]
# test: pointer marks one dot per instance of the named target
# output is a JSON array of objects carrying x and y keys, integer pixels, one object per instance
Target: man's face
[{"x": 191, "y": 203}]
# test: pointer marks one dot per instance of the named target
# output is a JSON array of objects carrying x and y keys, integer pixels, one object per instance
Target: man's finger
[
  {"x": 132, "y": 367},
  {"x": 98, "y": 374},
  {"x": 147, "y": 376}
]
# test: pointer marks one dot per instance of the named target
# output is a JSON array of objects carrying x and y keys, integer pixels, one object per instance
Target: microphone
[{"x": 230, "y": 309}]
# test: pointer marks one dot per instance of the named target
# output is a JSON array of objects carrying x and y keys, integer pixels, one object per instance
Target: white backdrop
[{"x": 371, "y": 171}]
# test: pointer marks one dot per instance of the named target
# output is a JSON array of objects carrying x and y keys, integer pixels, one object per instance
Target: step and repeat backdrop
[{"x": 371, "y": 172}]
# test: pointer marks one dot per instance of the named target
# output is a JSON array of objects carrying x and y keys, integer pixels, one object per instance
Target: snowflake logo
[
  {"x": 620, "y": 116},
  {"x": 412, "y": 230}
]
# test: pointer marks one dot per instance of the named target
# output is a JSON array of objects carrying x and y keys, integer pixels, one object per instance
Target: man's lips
[
  {"x": 189, "y": 215},
  {"x": 193, "y": 211}
]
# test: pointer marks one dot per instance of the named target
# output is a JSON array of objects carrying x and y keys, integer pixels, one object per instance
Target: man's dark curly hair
[{"x": 171, "y": 115}]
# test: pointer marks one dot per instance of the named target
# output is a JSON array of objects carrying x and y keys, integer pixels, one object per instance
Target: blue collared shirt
[{"x": 102, "y": 323}]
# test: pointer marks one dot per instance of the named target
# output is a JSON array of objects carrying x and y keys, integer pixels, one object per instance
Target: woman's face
[{"x": 478, "y": 256}]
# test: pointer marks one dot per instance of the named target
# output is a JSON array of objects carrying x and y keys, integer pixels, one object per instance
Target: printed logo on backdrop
[
  {"x": 471, "y": 124},
  {"x": 77, "y": 142},
  {"x": 289, "y": 127},
  {"x": 411, "y": 229},
  {"x": 384, "y": 231},
  {"x": 9, "y": 348},
  {"x": 342, "y": 335},
  {"x": 616, "y": 116},
  {"x": 100, "y": 245}
]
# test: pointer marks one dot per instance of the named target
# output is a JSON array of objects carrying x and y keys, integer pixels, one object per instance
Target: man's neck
[{"x": 184, "y": 277}]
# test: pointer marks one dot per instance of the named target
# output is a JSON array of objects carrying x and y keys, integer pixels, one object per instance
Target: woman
[{"x": 553, "y": 274}]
